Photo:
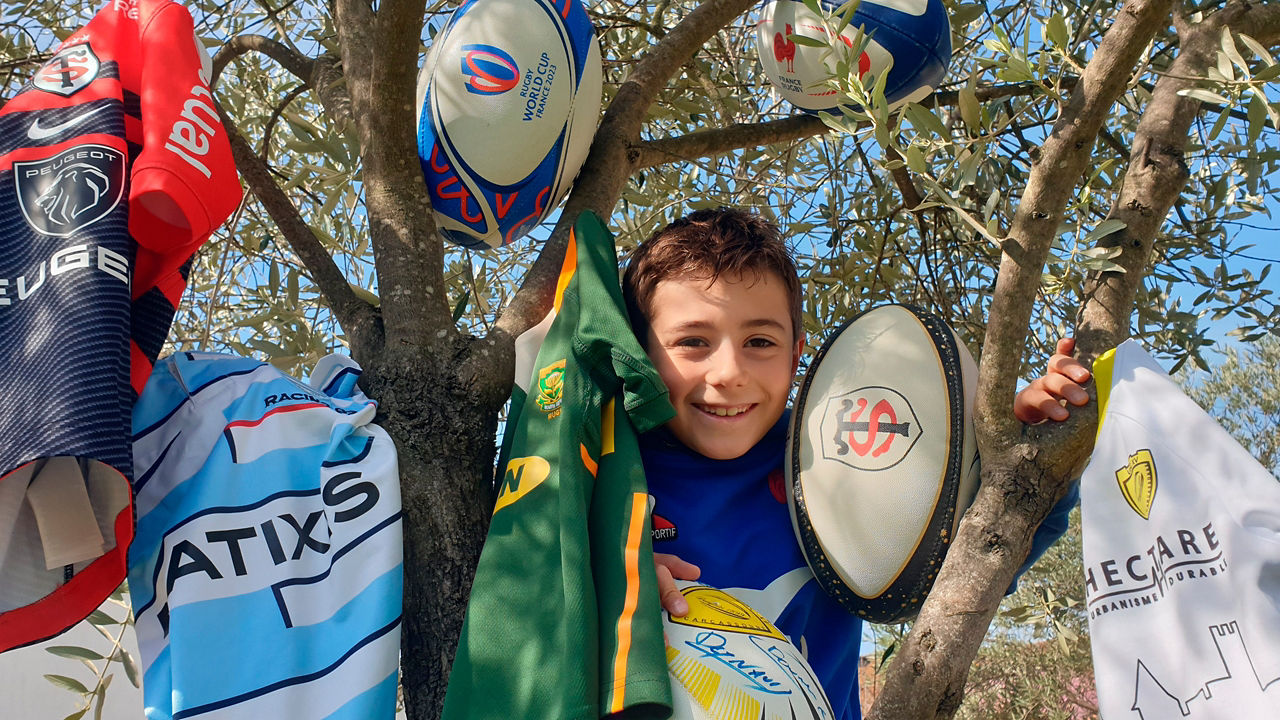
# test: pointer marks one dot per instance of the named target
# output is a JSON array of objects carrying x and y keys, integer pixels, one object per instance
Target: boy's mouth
[{"x": 724, "y": 411}]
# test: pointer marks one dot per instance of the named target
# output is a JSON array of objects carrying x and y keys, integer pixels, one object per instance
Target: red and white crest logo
[
  {"x": 871, "y": 428},
  {"x": 68, "y": 72}
]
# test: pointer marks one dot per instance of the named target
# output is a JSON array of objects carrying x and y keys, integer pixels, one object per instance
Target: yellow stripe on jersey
[
  {"x": 1102, "y": 368},
  {"x": 606, "y": 428},
  {"x": 591, "y": 465},
  {"x": 635, "y": 534},
  {"x": 567, "y": 270}
]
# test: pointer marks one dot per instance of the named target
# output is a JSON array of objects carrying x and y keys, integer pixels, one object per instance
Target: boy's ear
[{"x": 796, "y": 352}]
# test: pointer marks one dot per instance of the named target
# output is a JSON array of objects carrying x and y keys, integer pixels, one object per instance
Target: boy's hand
[
  {"x": 671, "y": 568},
  {"x": 1041, "y": 400}
]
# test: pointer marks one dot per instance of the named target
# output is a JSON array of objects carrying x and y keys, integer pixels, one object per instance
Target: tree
[
  {"x": 1036, "y": 660},
  {"x": 1242, "y": 392},
  {"x": 957, "y": 204}
]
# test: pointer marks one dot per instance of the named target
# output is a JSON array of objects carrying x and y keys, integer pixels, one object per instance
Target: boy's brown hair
[{"x": 705, "y": 245}]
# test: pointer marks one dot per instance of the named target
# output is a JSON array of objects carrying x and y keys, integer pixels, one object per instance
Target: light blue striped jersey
[{"x": 266, "y": 571}]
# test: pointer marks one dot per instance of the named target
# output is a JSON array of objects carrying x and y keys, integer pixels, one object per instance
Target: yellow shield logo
[
  {"x": 718, "y": 610},
  {"x": 1138, "y": 482},
  {"x": 551, "y": 389}
]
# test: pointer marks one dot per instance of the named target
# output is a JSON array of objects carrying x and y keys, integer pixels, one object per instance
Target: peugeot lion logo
[
  {"x": 489, "y": 70},
  {"x": 72, "y": 190}
]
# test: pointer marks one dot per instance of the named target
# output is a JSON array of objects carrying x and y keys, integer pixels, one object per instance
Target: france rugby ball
[
  {"x": 507, "y": 105},
  {"x": 910, "y": 40},
  {"x": 728, "y": 662},
  {"x": 882, "y": 458}
]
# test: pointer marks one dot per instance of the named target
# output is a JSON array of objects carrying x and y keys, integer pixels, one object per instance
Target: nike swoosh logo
[{"x": 39, "y": 132}]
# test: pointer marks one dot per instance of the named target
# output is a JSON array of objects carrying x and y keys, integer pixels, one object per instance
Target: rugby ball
[
  {"x": 882, "y": 459},
  {"x": 728, "y": 662},
  {"x": 910, "y": 40},
  {"x": 507, "y": 104}
]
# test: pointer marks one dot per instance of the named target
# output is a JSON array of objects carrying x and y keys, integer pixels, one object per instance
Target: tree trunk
[{"x": 444, "y": 433}]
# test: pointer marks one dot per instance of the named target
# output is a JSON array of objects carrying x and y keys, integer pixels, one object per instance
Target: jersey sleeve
[{"x": 184, "y": 180}]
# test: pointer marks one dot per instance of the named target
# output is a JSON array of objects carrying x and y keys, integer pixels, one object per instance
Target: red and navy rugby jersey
[{"x": 114, "y": 168}]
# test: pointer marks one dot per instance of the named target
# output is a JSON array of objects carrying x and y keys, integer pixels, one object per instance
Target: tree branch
[
  {"x": 324, "y": 73},
  {"x": 1064, "y": 156},
  {"x": 276, "y": 113},
  {"x": 359, "y": 319},
  {"x": 331, "y": 87},
  {"x": 379, "y": 59},
  {"x": 299, "y": 65},
  {"x": 717, "y": 141},
  {"x": 1157, "y": 172},
  {"x": 611, "y": 159}
]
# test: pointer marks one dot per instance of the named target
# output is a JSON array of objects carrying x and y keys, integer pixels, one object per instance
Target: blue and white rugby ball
[
  {"x": 882, "y": 459},
  {"x": 728, "y": 662},
  {"x": 508, "y": 101},
  {"x": 908, "y": 39}
]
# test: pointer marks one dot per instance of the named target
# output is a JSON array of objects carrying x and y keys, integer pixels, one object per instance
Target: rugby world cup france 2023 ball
[
  {"x": 882, "y": 459},
  {"x": 908, "y": 39},
  {"x": 728, "y": 662},
  {"x": 507, "y": 100}
]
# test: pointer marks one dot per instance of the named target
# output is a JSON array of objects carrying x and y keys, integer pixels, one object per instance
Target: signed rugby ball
[
  {"x": 909, "y": 40},
  {"x": 728, "y": 662},
  {"x": 882, "y": 459},
  {"x": 507, "y": 105}
]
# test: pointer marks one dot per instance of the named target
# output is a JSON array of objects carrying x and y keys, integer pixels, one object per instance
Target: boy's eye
[
  {"x": 691, "y": 342},
  {"x": 760, "y": 342}
]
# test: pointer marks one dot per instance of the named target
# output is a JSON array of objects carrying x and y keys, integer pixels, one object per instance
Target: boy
[{"x": 715, "y": 300}]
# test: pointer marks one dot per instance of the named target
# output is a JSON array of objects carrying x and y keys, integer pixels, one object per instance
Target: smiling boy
[{"x": 715, "y": 300}]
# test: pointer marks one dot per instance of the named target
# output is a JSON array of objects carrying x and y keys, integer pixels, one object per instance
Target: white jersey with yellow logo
[{"x": 1182, "y": 556}]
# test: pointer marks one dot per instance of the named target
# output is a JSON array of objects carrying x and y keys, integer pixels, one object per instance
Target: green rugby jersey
[{"x": 564, "y": 618}]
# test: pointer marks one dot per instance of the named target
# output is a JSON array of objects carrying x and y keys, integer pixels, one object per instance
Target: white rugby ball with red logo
[
  {"x": 908, "y": 42},
  {"x": 882, "y": 459},
  {"x": 507, "y": 104}
]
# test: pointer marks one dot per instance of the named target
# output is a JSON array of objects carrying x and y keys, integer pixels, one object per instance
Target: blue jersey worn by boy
[{"x": 730, "y": 518}]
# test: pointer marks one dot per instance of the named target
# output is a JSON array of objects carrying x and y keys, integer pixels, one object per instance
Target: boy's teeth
[{"x": 725, "y": 412}]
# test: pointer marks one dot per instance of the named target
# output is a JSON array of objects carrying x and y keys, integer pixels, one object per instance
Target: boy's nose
[{"x": 726, "y": 368}]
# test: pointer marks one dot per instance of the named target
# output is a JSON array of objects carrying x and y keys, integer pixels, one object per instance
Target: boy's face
[{"x": 726, "y": 352}]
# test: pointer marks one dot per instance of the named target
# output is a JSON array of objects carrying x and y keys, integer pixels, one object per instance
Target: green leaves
[
  {"x": 71, "y": 651},
  {"x": 98, "y": 662},
  {"x": 67, "y": 683},
  {"x": 1103, "y": 229}
]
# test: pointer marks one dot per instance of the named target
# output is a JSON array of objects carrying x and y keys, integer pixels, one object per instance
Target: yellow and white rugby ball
[{"x": 728, "y": 662}]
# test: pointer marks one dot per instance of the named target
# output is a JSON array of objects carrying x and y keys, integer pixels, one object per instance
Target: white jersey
[
  {"x": 1182, "y": 556},
  {"x": 266, "y": 571}
]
